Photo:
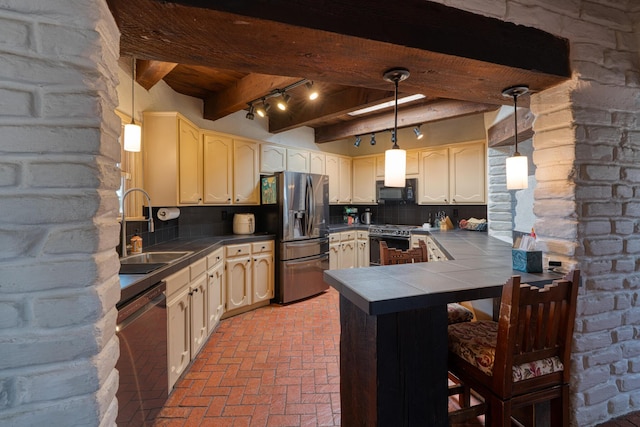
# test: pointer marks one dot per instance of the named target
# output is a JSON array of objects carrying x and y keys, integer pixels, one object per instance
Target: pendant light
[
  {"x": 395, "y": 159},
  {"x": 517, "y": 165},
  {"x": 132, "y": 131}
]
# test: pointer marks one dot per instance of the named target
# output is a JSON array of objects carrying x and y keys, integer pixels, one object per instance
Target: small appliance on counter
[
  {"x": 365, "y": 218},
  {"x": 244, "y": 223},
  {"x": 351, "y": 215}
]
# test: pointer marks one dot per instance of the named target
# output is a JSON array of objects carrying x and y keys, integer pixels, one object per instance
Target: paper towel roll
[{"x": 165, "y": 214}]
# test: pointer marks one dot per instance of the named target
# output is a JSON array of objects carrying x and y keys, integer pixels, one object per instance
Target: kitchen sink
[{"x": 147, "y": 262}]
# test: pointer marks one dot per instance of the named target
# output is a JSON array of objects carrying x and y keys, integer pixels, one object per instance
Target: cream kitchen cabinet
[
  {"x": 218, "y": 169},
  {"x": 467, "y": 176},
  {"x": 339, "y": 171},
  {"x": 172, "y": 159},
  {"x": 216, "y": 288},
  {"x": 364, "y": 180},
  {"x": 347, "y": 249},
  {"x": 362, "y": 248},
  {"x": 454, "y": 174},
  {"x": 434, "y": 252},
  {"x": 334, "y": 251},
  {"x": 246, "y": 176},
  {"x": 273, "y": 158},
  {"x": 238, "y": 271},
  {"x": 298, "y": 160},
  {"x": 262, "y": 271},
  {"x": 199, "y": 330},
  {"x": 317, "y": 163}
]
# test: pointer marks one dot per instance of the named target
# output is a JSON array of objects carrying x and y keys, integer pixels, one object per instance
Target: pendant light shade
[
  {"x": 517, "y": 172},
  {"x": 132, "y": 131},
  {"x": 395, "y": 159},
  {"x": 517, "y": 165}
]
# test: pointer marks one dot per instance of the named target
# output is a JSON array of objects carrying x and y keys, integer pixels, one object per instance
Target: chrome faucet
[{"x": 123, "y": 252}]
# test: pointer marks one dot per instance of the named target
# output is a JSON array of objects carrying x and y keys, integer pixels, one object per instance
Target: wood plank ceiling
[{"x": 231, "y": 52}]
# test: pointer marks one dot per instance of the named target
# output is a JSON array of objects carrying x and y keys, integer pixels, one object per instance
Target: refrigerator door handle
[{"x": 311, "y": 208}]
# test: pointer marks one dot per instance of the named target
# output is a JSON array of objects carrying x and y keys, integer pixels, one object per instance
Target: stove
[{"x": 389, "y": 230}]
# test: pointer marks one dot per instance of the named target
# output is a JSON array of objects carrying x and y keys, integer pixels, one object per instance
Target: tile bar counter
[{"x": 393, "y": 319}]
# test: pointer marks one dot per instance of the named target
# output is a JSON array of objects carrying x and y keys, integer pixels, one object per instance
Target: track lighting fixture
[
  {"x": 357, "y": 142},
  {"x": 132, "y": 131},
  {"x": 517, "y": 165},
  {"x": 418, "y": 132},
  {"x": 284, "y": 101},
  {"x": 313, "y": 94},
  {"x": 395, "y": 159},
  {"x": 283, "y": 98},
  {"x": 250, "y": 114},
  {"x": 373, "y": 139}
]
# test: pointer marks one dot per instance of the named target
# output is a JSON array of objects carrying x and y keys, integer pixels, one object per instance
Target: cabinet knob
[
  {"x": 237, "y": 200},
  {"x": 229, "y": 199},
  {"x": 239, "y": 250}
]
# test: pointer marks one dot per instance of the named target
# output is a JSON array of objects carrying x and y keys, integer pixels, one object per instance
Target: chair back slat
[{"x": 534, "y": 324}]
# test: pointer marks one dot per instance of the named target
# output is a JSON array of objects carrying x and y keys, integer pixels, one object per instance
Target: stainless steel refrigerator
[{"x": 296, "y": 209}]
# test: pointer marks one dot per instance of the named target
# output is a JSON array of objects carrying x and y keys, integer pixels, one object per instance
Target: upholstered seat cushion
[
  {"x": 457, "y": 313},
  {"x": 475, "y": 342}
]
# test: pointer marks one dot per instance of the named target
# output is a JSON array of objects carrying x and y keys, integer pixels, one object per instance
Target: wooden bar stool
[{"x": 521, "y": 360}]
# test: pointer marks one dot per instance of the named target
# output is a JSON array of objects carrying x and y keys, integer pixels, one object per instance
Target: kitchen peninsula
[{"x": 393, "y": 319}]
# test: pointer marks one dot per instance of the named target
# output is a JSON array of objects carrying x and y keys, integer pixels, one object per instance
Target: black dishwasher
[{"x": 142, "y": 365}]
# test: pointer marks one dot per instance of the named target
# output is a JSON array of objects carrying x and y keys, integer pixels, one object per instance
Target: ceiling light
[
  {"x": 357, "y": 142},
  {"x": 386, "y": 104},
  {"x": 373, "y": 139},
  {"x": 132, "y": 131},
  {"x": 312, "y": 93},
  {"x": 517, "y": 165},
  {"x": 250, "y": 114},
  {"x": 395, "y": 159},
  {"x": 419, "y": 134},
  {"x": 284, "y": 100},
  {"x": 263, "y": 110}
]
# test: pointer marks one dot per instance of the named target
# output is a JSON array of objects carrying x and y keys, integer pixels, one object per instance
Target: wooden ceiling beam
[
  {"x": 245, "y": 90},
  {"x": 409, "y": 116},
  {"x": 148, "y": 73},
  {"x": 450, "y": 53},
  {"x": 327, "y": 108},
  {"x": 503, "y": 132}
]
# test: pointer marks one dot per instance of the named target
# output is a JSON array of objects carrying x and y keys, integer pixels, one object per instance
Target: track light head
[
  {"x": 313, "y": 94},
  {"x": 250, "y": 114},
  {"x": 284, "y": 101},
  {"x": 357, "y": 142},
  {"x": 264, "y": 109},
  {"x": 373, "y": 139},
  {"x": 419, "y": 134}
]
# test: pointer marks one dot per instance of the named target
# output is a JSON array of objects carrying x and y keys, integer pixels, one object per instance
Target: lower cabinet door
[
  {"x": 199, "y": 321},
  {"x": 238, "y": 282},
  {"x": 262, "y": 278},
  {"x": 178, "y": 340},
  {"x": 215, "y": 295}
]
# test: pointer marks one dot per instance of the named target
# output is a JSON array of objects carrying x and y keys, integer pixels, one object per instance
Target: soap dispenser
[{"x": 136, "y": 243}]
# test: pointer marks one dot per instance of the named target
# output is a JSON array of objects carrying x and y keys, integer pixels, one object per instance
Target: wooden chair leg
[
  {"x": 559, "y": 408},
  {"x": 498, "y": 413}
]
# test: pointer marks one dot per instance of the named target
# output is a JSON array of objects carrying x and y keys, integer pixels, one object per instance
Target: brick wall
[
  {"x": 587, "y": 197},
  {"x": 58, "y": 211}
]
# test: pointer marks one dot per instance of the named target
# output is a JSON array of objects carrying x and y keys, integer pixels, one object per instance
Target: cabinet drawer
[
  {"x": 363, "y": 235},
  {"x": 177, "y": 281},
  {"x": 262, "y": 247},
  {"x": 334, "y": 238},
  {"x": 238, "y": 250},
  {"x": 197, "y": 268},
  {"x": 347, "y": 235},
  {"x": 215, "y": 257}
]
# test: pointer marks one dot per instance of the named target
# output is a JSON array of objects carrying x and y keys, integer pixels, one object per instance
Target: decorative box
[{"x": 527, "y": 261}]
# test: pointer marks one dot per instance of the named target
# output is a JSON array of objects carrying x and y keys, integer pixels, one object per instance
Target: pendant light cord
[
  {"x": 395, "y": 122},
  {"x": 133, "y": 80},
  {"x": 515, "y": 120}
]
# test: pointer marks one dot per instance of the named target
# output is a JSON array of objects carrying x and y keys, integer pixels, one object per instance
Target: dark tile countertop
[
  {"x": 479, "y": 267},
  {"x": 336, "y": 228},
  {"x": 133, "y": 284}
]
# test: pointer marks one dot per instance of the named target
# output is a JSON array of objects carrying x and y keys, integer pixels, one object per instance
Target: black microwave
[{"x": 405, "y": 194}]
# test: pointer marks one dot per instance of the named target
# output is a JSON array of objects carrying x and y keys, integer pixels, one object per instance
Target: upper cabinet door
[
  {"x": 272, "y": 158},
  {"x": 333, "y": 171},
  {"x": 190, "y": 164},
  {"x": 218, "y": 162},
  {"x": 467, "y": 173},
  {"x": 364, "y": 180},
  {"x": 317, "y": 163},
  {"x": 246, "y": 176},
  {"x": 413, "y": 163},
  {"x": 344, "y": 164},
  {"x": 298, "y": 160},
  {"x": 434, "y": 176}
]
